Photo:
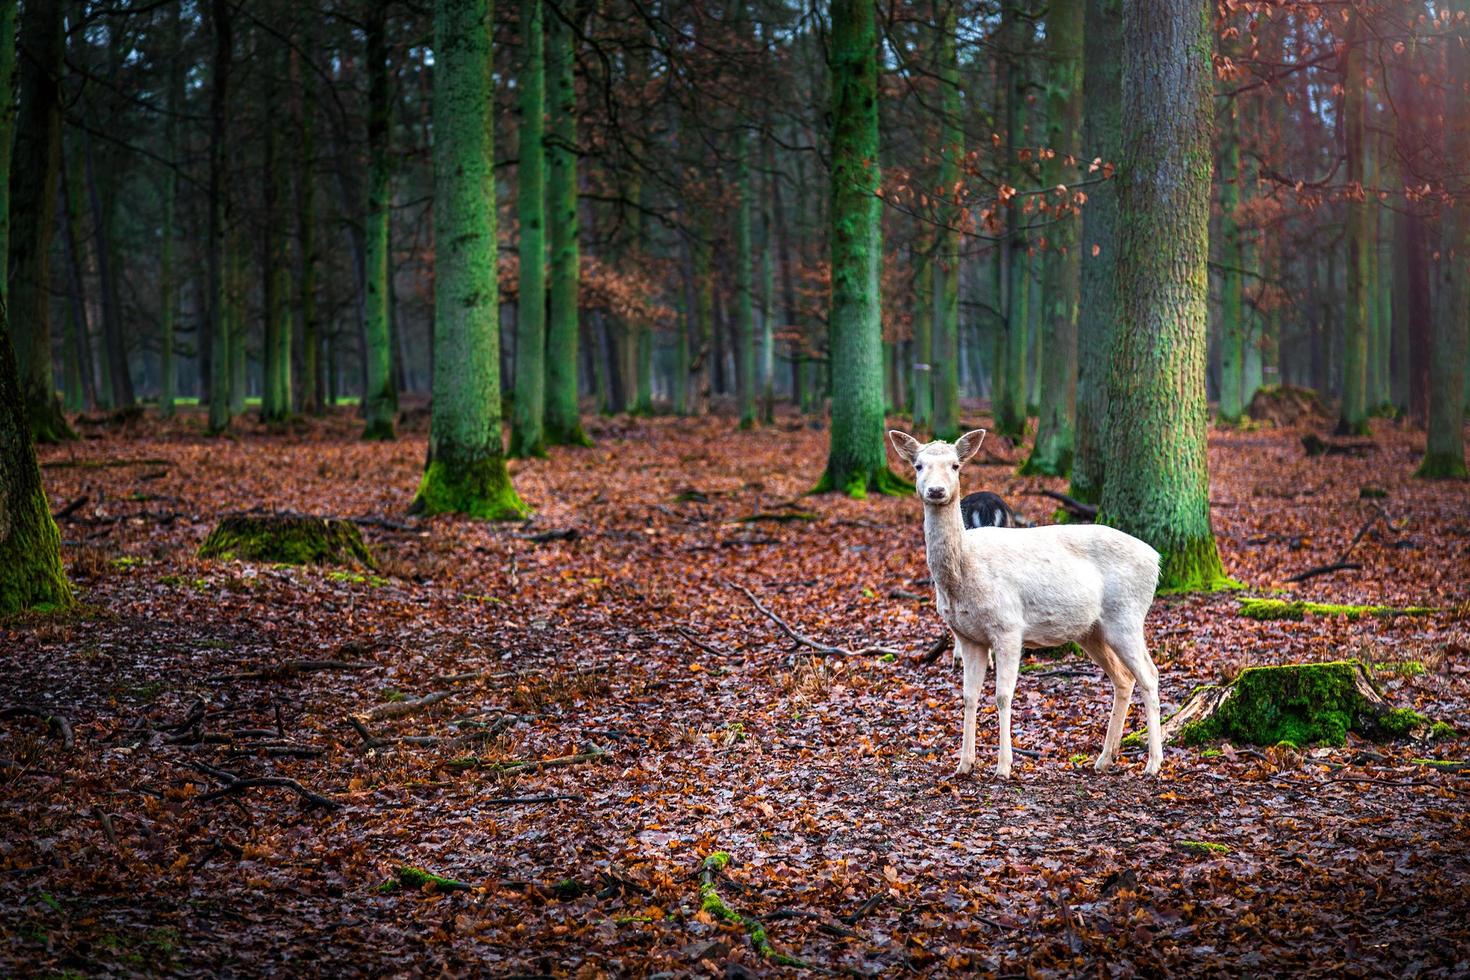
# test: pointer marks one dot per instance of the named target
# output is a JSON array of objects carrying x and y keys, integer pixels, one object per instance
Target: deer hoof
[
  {"x": 1103, "y": 763},
  {"x": 1002, "y": 770},
  {"x": 1152, "y": 769},
  {"x": 964, "y": 768}
]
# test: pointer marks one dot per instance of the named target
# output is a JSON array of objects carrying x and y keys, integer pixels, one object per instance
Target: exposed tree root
[
  {"x": 713, "y": 905},
  {"x": 234, "y": 784},
  {"x": 59, "y": 725},
  {"x": 398, "y": 709},
  {"x": 293, "y": 667}
]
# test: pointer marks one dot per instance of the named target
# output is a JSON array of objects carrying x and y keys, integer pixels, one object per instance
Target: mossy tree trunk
[
  {"x": 102, "y": 182},
  {"x": 856, "y": 460},
  {"x": 30, "y": 547},
  {"x": 275, "y": 355},
  {"x": 1061, "y": 262},
  {"x": 528, "y": 400},
  {"x": 1412, "y": 315},
  {"x": 1097, "y": 312},
  {"x": 1156, "y": 407},
  {"x": 313, "y": 397},
  {"x": 921, "y": 389},
  {"x": 1015, "y": 263},
  {"x": 701, "y": 342},
  {"x": 81, "y": 335},
  {"x": 167, "y": 273},
  {"x": 745, "y": 376},
  {"x": 1444, "y": 455},
  {"x": 380, "y": 399},
  {"x": 944, "y": 351},
  {"x": 1232, "y": 278},
  {"x": 1354, "y": 416},
  {"x": 7, "y": 130},
  {"x": 219, "y": 363},
  {"x": 466, "y": 471},
  {"x": 563, "y": 419},
  {"x": 32, "y": 213}
]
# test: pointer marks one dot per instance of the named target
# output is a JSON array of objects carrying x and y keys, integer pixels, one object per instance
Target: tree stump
[
  {"x": 292, "y": 539},
  {"x": 1301, "y": 704}
]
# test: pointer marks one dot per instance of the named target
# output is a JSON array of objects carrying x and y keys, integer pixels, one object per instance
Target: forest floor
[{"x": 685, "y": 722}]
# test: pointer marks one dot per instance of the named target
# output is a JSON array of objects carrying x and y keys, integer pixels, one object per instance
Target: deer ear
[
  {"x": 968, "y": 444},
  {"x": 904, "y": 444}
]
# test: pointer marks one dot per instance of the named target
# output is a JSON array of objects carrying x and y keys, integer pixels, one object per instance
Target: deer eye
[
  {"x": 918, "y": 467},
  {"x": 957, "y": 467}
]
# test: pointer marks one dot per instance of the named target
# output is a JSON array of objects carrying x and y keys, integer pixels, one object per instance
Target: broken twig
[{"x": 805, "y": 640}]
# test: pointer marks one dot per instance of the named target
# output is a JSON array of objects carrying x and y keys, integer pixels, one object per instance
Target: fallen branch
[
  {"x": 937, "y": 648},
  {"x": 101, "y": 464},
  {"x": 590, "y": 754},
  {"x": 1074, "y": 507},
  {"x": 714, "y": 906},
  {"x": 555, "y": 534},
  {"x": 822, "y": 924},
  {"x": 1337, "y": 566},
  {"x": 56, "y": 724},
  {"x": 694, "y": 638},
  {"x": 805, "y": 640},
  {"x": 70, "y": 508},
  {"x": 398, "y": 709},
  {"x": 517, "y": 800},
  {"x": 234, "y": 785},
  {"x": 292, "y": 667}
]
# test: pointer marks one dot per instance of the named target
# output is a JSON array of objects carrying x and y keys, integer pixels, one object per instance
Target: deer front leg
[
  {"x": 973, "y": 655},
  {"x": 1007, "y": 668}
]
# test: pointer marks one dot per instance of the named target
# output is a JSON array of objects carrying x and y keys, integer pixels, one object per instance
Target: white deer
[{"x": 1002, "y": 589}]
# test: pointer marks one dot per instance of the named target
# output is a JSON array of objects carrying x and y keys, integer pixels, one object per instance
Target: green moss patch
[
  {"x": 1202, "y": 847},
  {"x": 417, "y": 879},
  {"x": 1267, "y": 609},
  {"x": 478, "y": 488},
  {"x": 1300, "y": 704},
  {"x": 291, "y": 539}
]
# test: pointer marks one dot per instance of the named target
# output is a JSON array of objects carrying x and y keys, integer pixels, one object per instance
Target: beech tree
[
  {"x": 528, "y": 401},
  {"x": 465, "y": 473},
  {"x": 1157, "y": 420}
]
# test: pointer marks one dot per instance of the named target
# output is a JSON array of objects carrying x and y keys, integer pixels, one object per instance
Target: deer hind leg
[
  {"x": 973, "y": 655},
  {"x": 1007, "y": 668},
  {"x": 1129, "y": 644},
  {"x": 1122, "y": 678}
]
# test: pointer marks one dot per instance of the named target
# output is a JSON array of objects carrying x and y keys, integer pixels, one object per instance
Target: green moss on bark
[
  {"x": 289, "y": 539},
  {"x": 481, "y": 489},
  {"x": 1303, "y": 704},
  {"x": 1442, "y": 466},
  {"x": 418, "y": 879},
  {"x": 1269, "y": 609}
]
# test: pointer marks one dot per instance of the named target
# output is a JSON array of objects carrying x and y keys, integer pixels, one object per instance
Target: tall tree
[
  {"x": 275, "y": 358},
  {"x": 30, "y": 547},
  {"x": 1061, "y": 263},
  {"x": 1444, "y": 455},
  {"x": 1232, "y": 271},
  {"x": 312, "y": 395},
  {"x": 528, "y": 398},
  {"x": 1102, "y": 102},
  {"x": 1354, "y": 415},
  {"x": 219, "y": 373},
  {"x": 7, "y": 129},
  {"x": 167, "y": 272},
  {"x": 944, "y": 350},
  {"x": 1157, "y": 418},
  {"x": 32, "y": 212},
  {"x": 380, "y": 400},
  {"x": 1014, "y": 262},
  {"x": 466, "y": 471},
  {"x": 1411, "y": 298},
  {"x": 856, "y": 459},
  {"x": 745, "y": 377},
  {"x": 563, "y": 425}
]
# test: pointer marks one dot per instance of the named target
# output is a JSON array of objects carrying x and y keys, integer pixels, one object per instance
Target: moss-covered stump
[
  {"x": 1269, "y": 609},
  {"x": 1301, "y": 704},
  {"x": 292, "y": 539}
]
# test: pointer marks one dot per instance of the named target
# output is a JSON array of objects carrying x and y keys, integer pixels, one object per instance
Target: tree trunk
[
  {"x": 466, "y": 471},
  {"x": 702, "y": 352},
  {"x": 1015, "y": 279},
  {"x": 1354, "y": 415},
  {"x": 379, "y": 398},
  {"x": 1157, "y": 415},
  {"x": 30, "y": 547},
  {"x": 102, "y": 195},
  {"x": 528, "y": 397},
  {"x": 32, "y": 213},
  {"x": 167, "y": 274},
  {"x": 1232, "y": 262},
  {"x": 1444, "y": 456},
  {"x": 81, "y": 334},
  {"x": 1098, "y": 306},
  {"x": 944, "y": 351},
  {"x": 275, "y": 356},
  {"x": 745, "y": 377},
  {"x": 219, "y": 380},
  {"x": 313, "y": 396},
  {"x": 563, "y": 421},
  {"x": 7, "y": 130},
  {"x": 1061, "y": 262},
  {"x": 856, "y": 461}
]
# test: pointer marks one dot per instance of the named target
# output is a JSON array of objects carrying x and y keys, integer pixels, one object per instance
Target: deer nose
[{"x": 935, "y": 493}]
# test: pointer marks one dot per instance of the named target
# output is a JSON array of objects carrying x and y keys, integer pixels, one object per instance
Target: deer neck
[{"x": 944, "y": 538}]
